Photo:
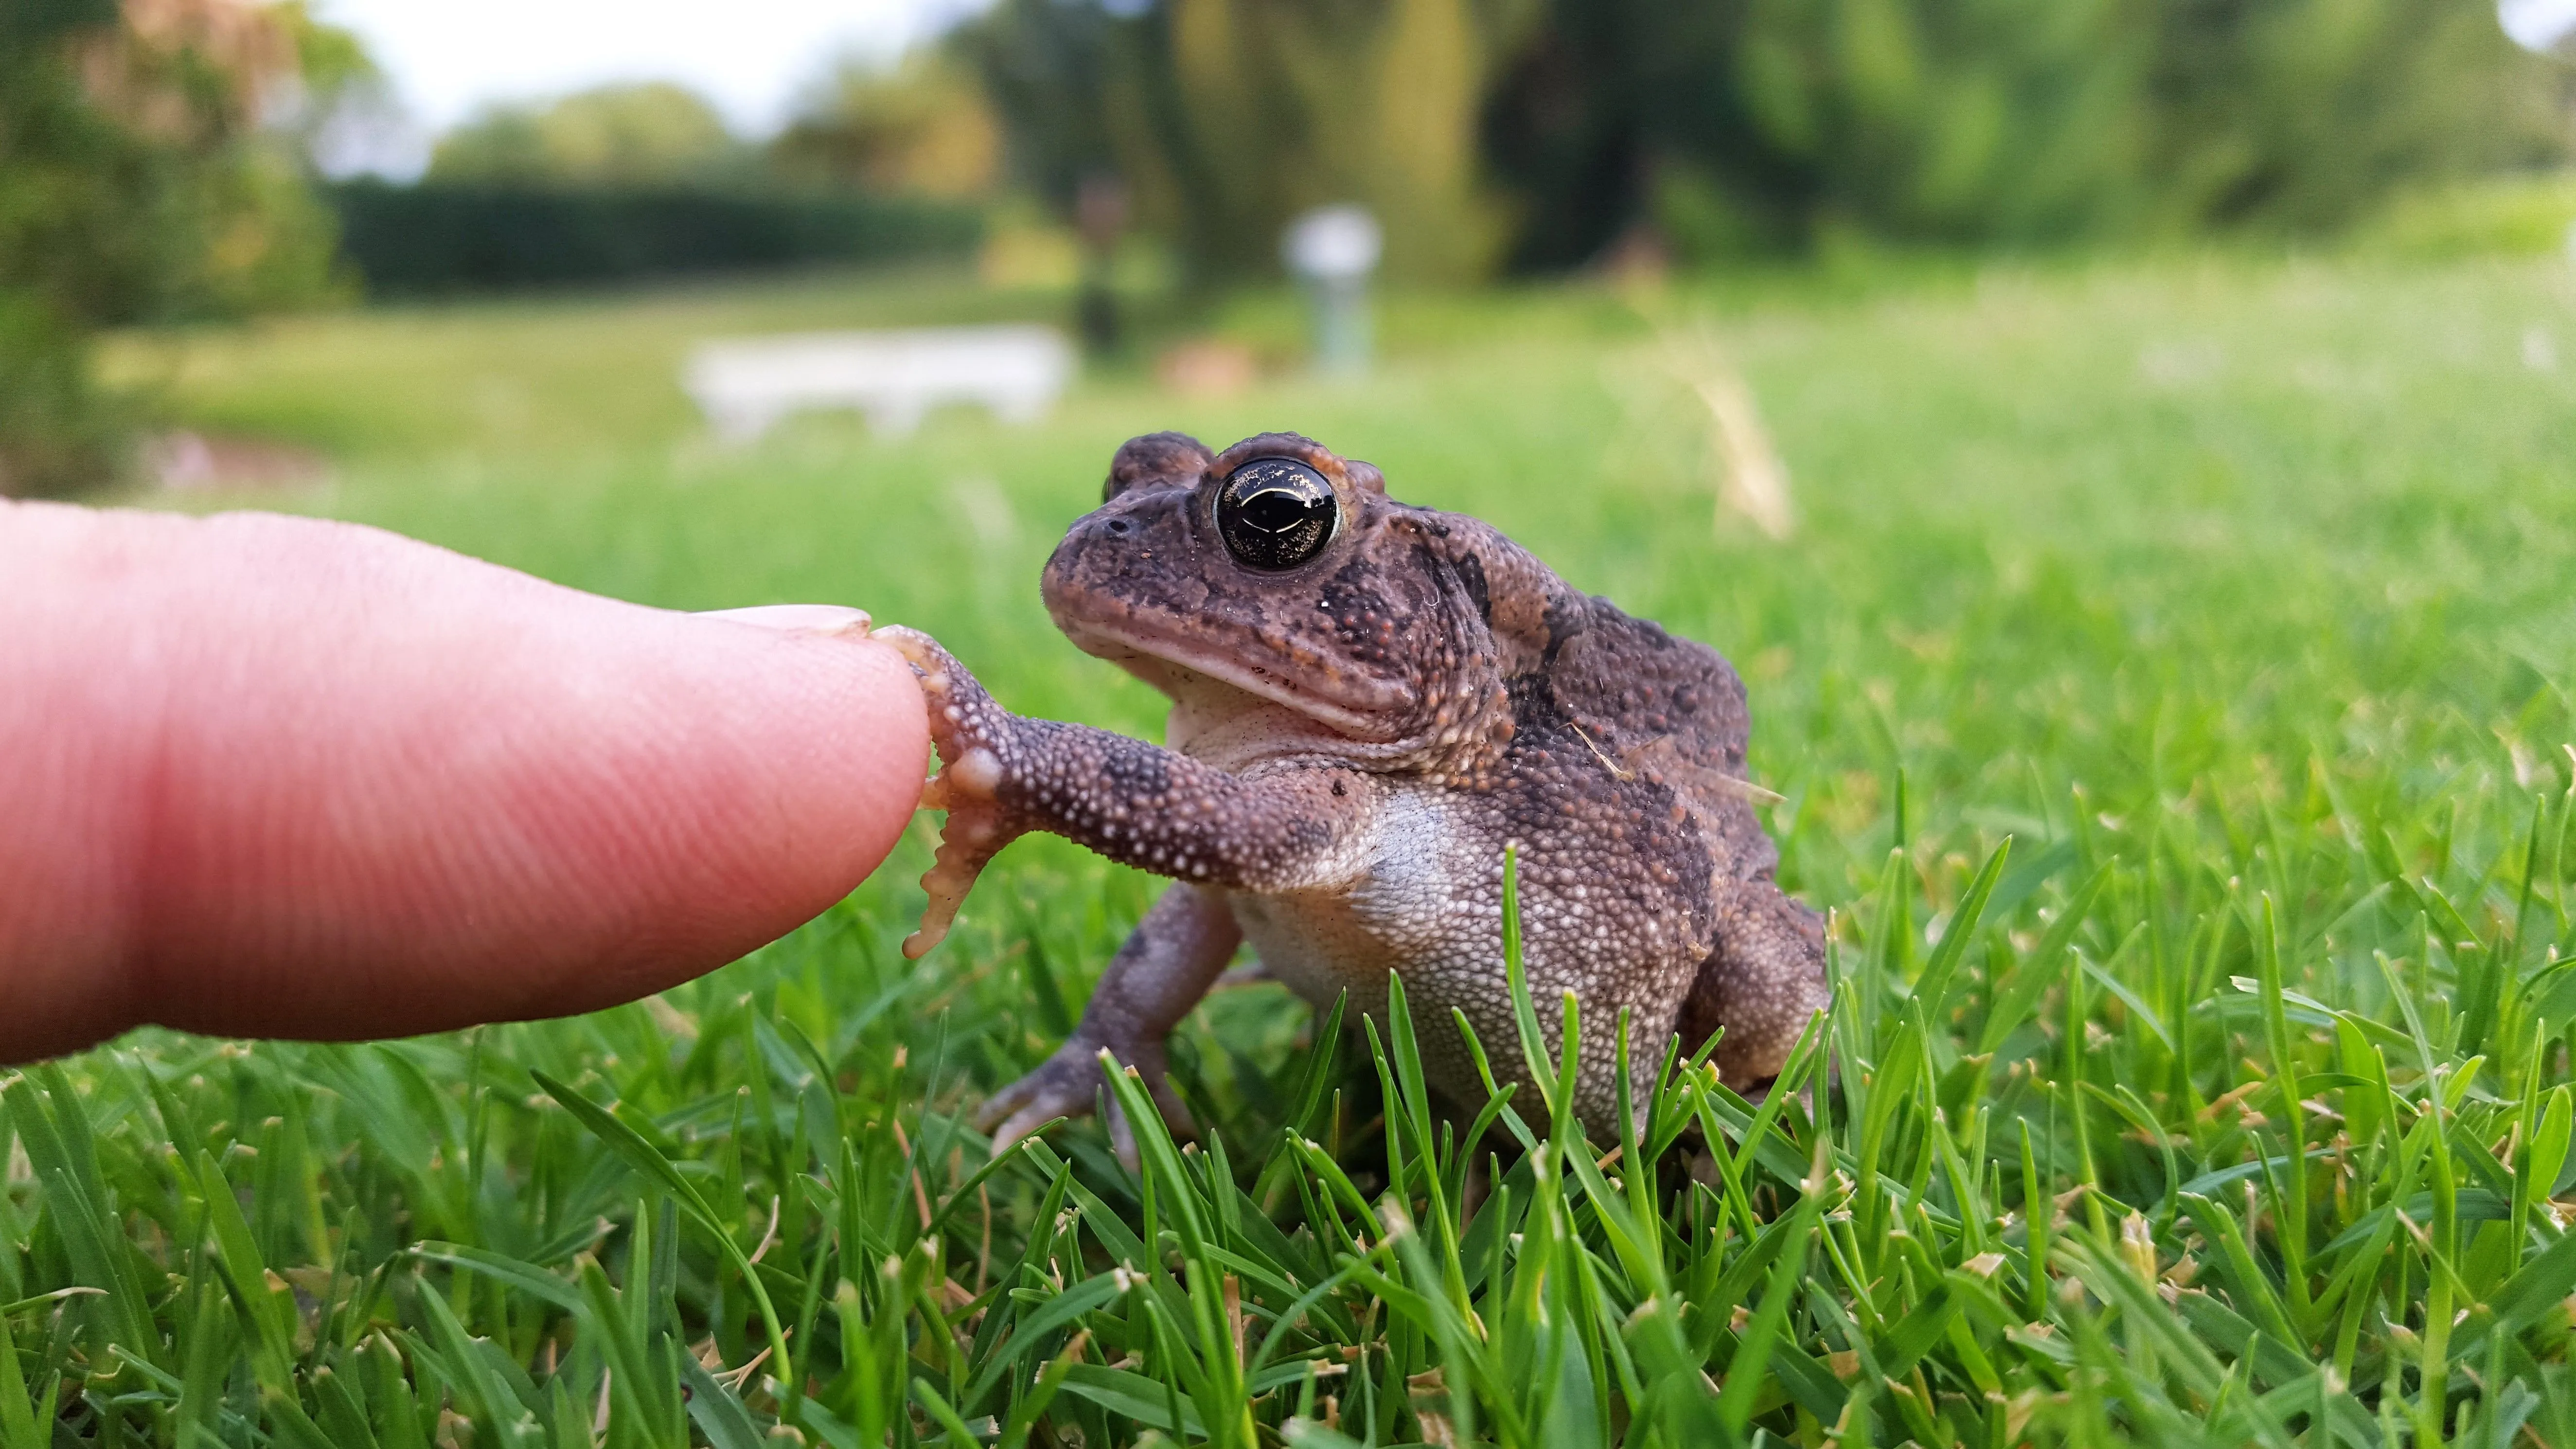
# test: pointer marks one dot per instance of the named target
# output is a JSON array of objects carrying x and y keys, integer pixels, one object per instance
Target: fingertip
[
  {"x": 303, "y": 778},
  {"x": 868, "y": 750},
  {"x": 787, "y": 764},
  {"x": 535, "y": 801}
]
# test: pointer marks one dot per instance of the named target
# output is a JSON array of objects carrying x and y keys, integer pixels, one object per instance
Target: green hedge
[{"x": 451, "y": 237}]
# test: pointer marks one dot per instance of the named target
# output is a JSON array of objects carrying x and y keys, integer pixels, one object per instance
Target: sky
[{"x": 750, "y": 57}]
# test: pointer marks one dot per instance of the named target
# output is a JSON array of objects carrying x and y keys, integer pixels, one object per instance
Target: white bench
[{"x": 746, "y": 385}]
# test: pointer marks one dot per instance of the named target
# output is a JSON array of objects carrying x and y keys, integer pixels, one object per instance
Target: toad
[{"x": 1370, "y": 702}]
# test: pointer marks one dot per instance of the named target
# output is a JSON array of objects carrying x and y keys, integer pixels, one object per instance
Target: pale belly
[{"x": 1428, "y": 909}]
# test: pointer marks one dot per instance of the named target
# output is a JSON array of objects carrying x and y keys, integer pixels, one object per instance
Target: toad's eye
[{"x": 1275, "y": 513}]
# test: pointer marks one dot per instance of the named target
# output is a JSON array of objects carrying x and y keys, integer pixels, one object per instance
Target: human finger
[{"x": 289, "y": 777}]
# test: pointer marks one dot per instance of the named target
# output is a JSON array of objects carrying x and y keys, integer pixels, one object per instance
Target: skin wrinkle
[
  {"x": 358, "y": 784},
  {"x": 152, "y": 842},
  {"x": 74, "y": 887}
]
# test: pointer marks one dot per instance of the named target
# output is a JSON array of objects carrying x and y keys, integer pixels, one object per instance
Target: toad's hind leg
[
  {"x": 1762, "y": 983},
  {"x": 1161, "y": 972}
]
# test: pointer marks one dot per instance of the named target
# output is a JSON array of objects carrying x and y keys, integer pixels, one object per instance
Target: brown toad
[{"x": 1369, "y": 702}]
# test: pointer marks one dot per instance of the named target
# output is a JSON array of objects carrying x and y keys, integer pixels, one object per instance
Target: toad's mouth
[{"x": 1362, "y": 713}]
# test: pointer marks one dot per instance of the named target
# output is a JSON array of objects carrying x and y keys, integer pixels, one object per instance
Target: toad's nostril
[{"x": 1119, "y": 527}]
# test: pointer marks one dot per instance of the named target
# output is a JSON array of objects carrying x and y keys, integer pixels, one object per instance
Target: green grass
[{"x": 2226, "y": 1105}]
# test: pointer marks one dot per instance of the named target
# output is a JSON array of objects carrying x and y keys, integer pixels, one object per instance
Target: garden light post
[{"x": 1332, "y": 250}]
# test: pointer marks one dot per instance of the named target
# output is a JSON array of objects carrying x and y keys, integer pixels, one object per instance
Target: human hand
[{"x": 281, "y": 777}]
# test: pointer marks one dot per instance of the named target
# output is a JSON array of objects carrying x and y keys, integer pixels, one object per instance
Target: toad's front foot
[{"x": 972, "y": 734}]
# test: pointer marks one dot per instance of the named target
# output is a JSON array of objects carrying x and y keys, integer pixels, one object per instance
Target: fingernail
[{"x": 826, "y": 619}]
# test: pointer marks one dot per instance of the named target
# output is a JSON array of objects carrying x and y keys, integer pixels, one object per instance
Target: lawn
[{"x": 2169, "y": 689}]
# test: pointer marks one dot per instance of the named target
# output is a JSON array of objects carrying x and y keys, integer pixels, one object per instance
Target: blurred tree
[
  {"x": 922, "y": 128},
  {"x": 642, "y": 134},
  {"x": 1738, "y": 125},
  {"x": 2305, "y": 114},
  {"x": 137, "y": 183},
  {"x": 1054, "y": 71},
  {"x": 1228, "y": 117},
  {"x": 1616, "y": 112},
  {"x": 1980, "y": 119},
  {"x": 640, "y": 180},
  {"x": 1260, "y": 109}
]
